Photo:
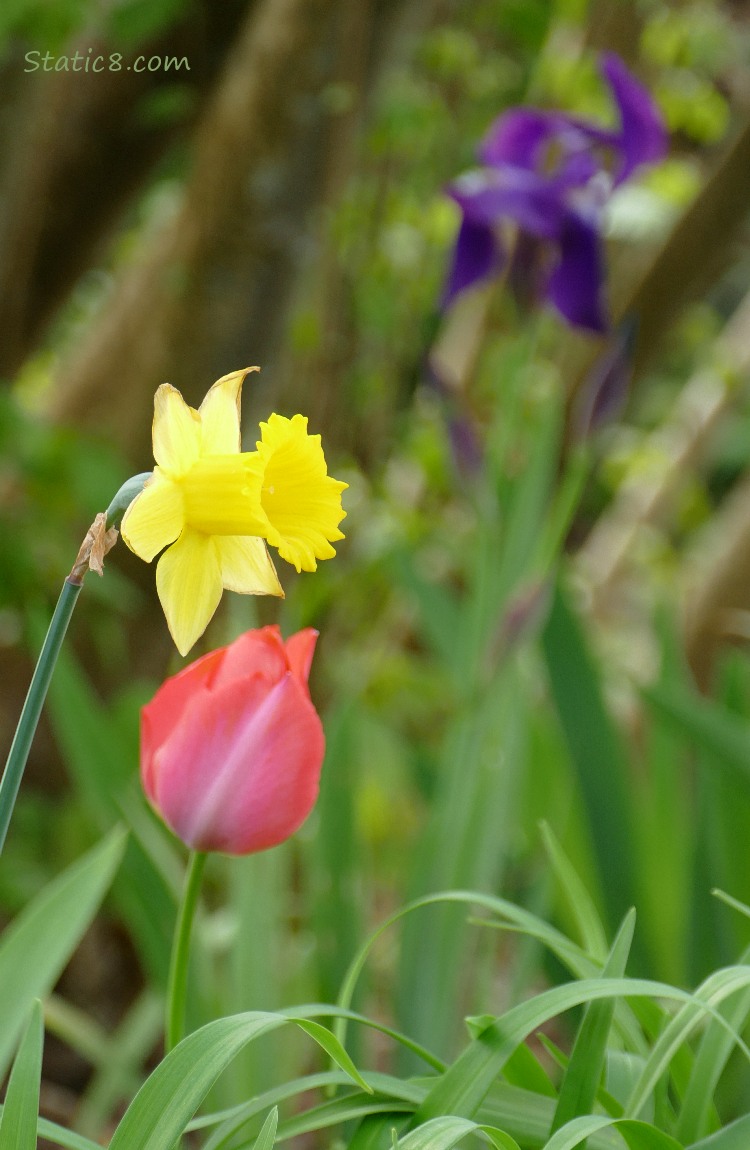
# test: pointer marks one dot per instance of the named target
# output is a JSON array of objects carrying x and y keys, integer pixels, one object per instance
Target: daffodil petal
[
  {"x": 177, "y": 431},
  {"x": 220, "y": 414},
  {"x": 188, "y": 580},
  {"x": 301, "y": 501},
  {"x": 246, "y": 566},
  {"x": 155, "y": 518}
]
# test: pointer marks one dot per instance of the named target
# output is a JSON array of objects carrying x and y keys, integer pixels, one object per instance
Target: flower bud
[{"x": 232, "y": 746}]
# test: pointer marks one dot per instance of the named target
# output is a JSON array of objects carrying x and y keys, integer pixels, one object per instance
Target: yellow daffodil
[{"x": 213, "y": 505}]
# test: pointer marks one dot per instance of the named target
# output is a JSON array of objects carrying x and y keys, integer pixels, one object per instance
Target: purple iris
[{"x": 551, "y": 175}]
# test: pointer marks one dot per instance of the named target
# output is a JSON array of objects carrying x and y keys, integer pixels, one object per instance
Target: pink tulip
[{"x": 231, "y": 747}]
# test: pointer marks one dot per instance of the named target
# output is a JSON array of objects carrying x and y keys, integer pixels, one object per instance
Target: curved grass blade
[
  {"x": 709, "y": 995},
  {"x": 65, "y": 1138},
  {"x": 170, "y": 1096},
  {"x": 571, "y": 955},
  {"x": 328, "y": 1042},
  {"x": 19, "y": 1119},
  {"x": 735, "y": 1136},
  {"x": 461, "y": 1090},
  {"x": 399, "y": 1093},
  {"x": 337, "y": 1111},
  {"x": 637, "y": 1135},
  {"x": 444, "y": 1133},
  {"x": 579, "y": 900},
  {"x": 710, "y": 1061},
  {"x": 586, "y": 1064},
  {"x": 267, "y": 1136},
  {"x": 377, "y": 1131}
]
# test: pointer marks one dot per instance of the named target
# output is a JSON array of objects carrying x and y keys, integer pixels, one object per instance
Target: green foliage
[
  {"x": 53, "y": 483},
  {"x": 18, "y": 1123},
  {"x": 36, "y": 946},
  {"x": 472, "y": 684}
]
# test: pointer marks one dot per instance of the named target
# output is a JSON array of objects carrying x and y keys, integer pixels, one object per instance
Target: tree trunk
[{"x": 209, "y": 293}]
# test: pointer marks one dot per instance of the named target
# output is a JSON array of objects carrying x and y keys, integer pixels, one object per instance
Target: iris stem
[
  {"x": 178, "y": 967},
  {"x": 32, "y": 708}
]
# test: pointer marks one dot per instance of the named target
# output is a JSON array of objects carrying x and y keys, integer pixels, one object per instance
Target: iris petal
[
  {"x": 155, "y": 518},
  {"x": 518, "y": 136},
  {"x": 246, "y": 566},
  {"x": 188, "y": 580},
  {"x": 177, "y": 431},
  {"x": 477, "y": 255},
  {"x": 643, "y": 138},
  {"x": 576, "y": 285},
  {"x": 531, "y": 201}
]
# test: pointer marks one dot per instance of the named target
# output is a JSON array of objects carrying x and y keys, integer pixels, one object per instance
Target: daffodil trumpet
[{"x": 211, "y": 508}]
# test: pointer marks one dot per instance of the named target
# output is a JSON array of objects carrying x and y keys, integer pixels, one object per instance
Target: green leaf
[
  {"x": 267, "y": 1136},
  {"x": 444, "y": 1133},
  {"x": 597, "y": 752},
  {"x": 585, "y": 1068},
  {"x": 736, "y": 1136},
  {"x": 88, "y": 736},
  {"x": 170, "y": 1096},
  {"x": 376, "y": 1131},
  {"x": 66, "y": 1138},
  {"x": 229, "y": 1122},
  {"x": 35, "y": 948},
  {"x": 589, "y": 923},
  {"x": 713, "y": 1054},
  {"x": 707, "y": 724},
  {"x": 637, "y": 1135},
  {"x": 568, "y": 953},
  {"x": 463, "y": 1086},
  {"x": 334, "y": 1049},
  {"x": 18, "y": 1123},
  {"x": 524, "y": 1069},
  {"x": 710, "y": 994}
]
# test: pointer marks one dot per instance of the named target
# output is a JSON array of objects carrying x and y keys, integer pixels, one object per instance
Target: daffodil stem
[
  {"x": 10, "y": 782},
  {"x": 125, "y": 496},
  {"x": 27, "y": 724},
  {"x": 178, "y": 969}
]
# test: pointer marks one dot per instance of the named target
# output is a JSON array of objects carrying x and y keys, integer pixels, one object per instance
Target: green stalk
[
  {"x": 37, "y": 693},
  {"x": 178, "y": 969},
  {"x": 27, "y": 724}
]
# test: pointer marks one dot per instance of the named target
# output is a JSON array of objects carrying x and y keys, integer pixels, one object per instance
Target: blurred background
[{"x": 528, "y": 621}]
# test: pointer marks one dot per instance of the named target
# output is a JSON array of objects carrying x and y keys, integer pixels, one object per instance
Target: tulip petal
[
  {"x": 177, "y": 431},
  {"x": 155, "y": 518},
  {"x": 166, "y": 709},
  {"x": 258, "y": 653},
  {"x": 188, "y": 580},
  {"x": 246, "y": 566},
  {"x": 220, "y": 414},
  {"x": 240, "y": 773},
  {"x": 300, "y": 649},
  {"x": 301, "y": 501}
]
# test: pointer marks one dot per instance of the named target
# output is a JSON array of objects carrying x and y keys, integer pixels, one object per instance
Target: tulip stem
[
  {"x": 178, "y": 968},
  {"x": 27, "y": 724}
]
